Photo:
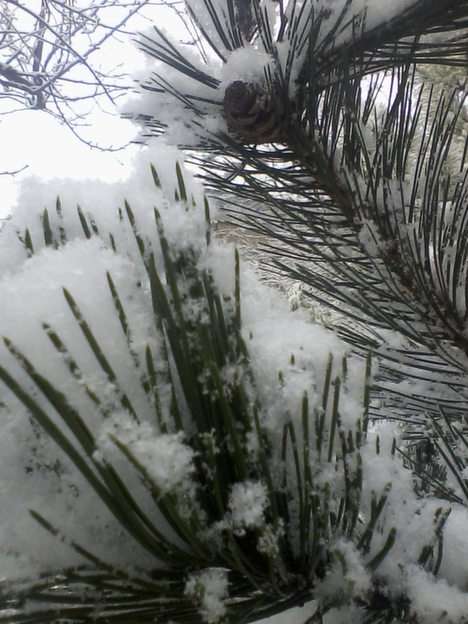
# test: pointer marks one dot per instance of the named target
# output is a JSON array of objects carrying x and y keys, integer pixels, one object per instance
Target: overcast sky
[
  {"x": 50, "y": 150},
  {"x": 35, "y": 139}
]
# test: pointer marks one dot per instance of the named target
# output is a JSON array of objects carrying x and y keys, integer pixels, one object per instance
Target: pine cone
[{"x": 256, "y": 114}]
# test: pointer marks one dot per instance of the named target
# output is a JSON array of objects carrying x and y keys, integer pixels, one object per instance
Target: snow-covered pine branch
[
  {"x": 346, "y": 172},
  {"x": 178, "y": 445},
  {"x": 183, "y": 449}
]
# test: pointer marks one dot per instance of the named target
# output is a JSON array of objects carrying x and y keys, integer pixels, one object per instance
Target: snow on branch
[{"x": 187, "y": 446}]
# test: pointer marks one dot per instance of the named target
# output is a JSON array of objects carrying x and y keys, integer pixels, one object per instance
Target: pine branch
[
  {"x": 317, "y": 516},
  {"x": 360, "y": 209},
  {"x": 367, "y": 224}
]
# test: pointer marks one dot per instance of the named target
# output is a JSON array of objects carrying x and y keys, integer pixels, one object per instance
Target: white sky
[
  {"x": 35, "y": 139},
  {"x": 50, "y": 150}
]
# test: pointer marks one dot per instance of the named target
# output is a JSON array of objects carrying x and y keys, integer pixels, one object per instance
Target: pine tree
[{"x": 247, "y": 489}]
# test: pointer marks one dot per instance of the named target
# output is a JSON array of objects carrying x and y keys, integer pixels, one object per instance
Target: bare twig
[
  {"x": 46, "y": 49},
  {"x": 14, "y": 172}
]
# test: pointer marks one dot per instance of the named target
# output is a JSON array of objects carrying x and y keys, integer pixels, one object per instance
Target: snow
[
  {"x": 434, "y": 600},
  {"x": 454, "y": 566},
  {"x": 297, "y": 615},
  {"x": 348, "y": 575},
  {"x": 247, "y": 64},
  {"x": 110, "y": 395},
  {"x": 209, "y": 588},
  {"x": 289, "y": 358},
  {"x": 191, "y": 110},
  {"x": 166, "y": 459},
  {"x": 247, "y": 502}
]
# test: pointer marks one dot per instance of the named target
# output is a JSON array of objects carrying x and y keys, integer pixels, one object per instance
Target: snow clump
[
  {"x": 247, "y": 502},
  {"x": 209, "y": 589}
]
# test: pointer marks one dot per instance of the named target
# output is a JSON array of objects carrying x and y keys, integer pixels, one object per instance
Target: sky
[
  {"x": 34, "y": 139},
  {"x": 39, "y": 143}
]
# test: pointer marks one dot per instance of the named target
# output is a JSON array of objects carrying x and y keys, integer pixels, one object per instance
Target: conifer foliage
[
  {"x": 178, "y": 446},
  {"x": 215, "y": 494},
  {"x": 325, "y": 142}
]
